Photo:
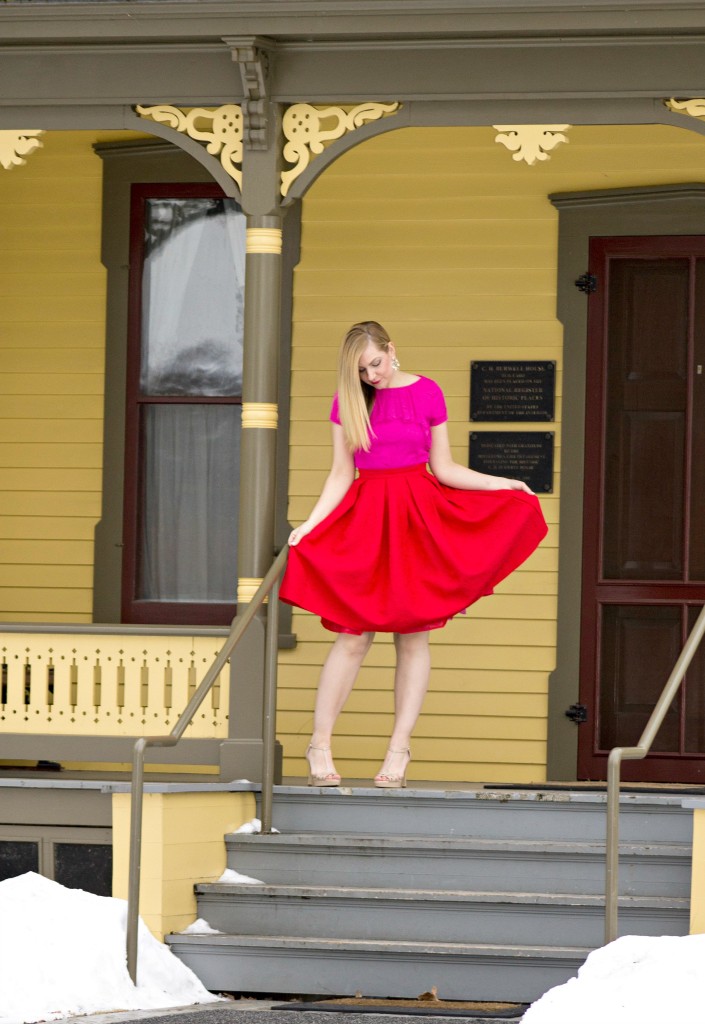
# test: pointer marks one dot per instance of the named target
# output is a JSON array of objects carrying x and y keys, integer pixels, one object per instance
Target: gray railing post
[
  {"x": 614, "y": 763},
  {"x": 240, "y": 624}
]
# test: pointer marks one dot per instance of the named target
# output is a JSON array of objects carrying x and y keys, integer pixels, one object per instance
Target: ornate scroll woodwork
[
  {"x": 223, "y": 130},
  {"x": 530, "y": 142},
  {"x": 307, "y": 129},
  {"x": 693, "y": 108},
  {"x": 14, "y": 146},
  {"x": 253, "y": 55}
]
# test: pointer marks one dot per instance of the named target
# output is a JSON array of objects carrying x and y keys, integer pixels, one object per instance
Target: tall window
[{"x": 183, "y": 417}]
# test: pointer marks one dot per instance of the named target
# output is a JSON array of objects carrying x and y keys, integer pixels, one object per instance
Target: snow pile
[
  {"x": 200, "y": 927},
  {"x": 62, "y": 953},
  {"x": 229, "y": 875},
  {"x": 253, "y": 827},
  {"x": 634, "y": 980}
]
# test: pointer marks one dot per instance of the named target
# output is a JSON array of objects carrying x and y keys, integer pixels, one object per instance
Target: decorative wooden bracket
[
  {"x": 530, "y": 142},
  {"x": 307, "y": 128},
  {"x": 14, "y": 146},
  {"x": 253, "y": 55},
  {"x": 223, "y": 131},
  {"x": 693, "y": 108}
]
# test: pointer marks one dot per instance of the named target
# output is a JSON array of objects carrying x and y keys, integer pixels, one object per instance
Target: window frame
[{"x": 133, "y": 608}]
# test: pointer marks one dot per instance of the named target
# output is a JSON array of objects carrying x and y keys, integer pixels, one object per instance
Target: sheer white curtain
[{"x": 193, "y": 289}]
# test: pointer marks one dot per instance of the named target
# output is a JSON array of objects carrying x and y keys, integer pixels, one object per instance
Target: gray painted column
[{"x": 241, "y": 755}]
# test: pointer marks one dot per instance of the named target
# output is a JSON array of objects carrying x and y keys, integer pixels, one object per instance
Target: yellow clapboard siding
[
  {"x": 51, "y": 479},
  {"x": 46, "y": 552},
  {"x": 62, "y": 503},
  {"x": 52, "y": 338},
  {"x": 67, "y": 360},
  {"x": 54, "y": 284},
  {"x": 59, "y": 431},
  {"x": 77, "y": 384},
  {"x": 41, "y": 576},
  {"x": 67, "y": 238},
  {"x": 54, "y": 307},
  {"x": 44, "y": 600},
  {"x": 64, "y": 456},
  {"x": 23, "y": 407},
  {"x": 54, "y": 335},
  {"x": 428, "y": 307},
  {"x": 71, "y": 617},
  {"x": 44, "y": 527},
  {"x": 442, "y": 281}
]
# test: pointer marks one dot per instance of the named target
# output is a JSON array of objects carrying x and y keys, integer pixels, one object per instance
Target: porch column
[
  {"x": 263, "y": 248},
  {"x": 241, "y": 755}
]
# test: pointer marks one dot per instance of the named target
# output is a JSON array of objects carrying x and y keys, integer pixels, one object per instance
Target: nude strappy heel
[
  {"x": 330, "y": 777},
  {"x": 384, "y": 780}
]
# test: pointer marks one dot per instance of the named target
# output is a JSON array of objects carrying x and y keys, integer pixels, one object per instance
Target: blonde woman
[{"x": 391, "y": 547}]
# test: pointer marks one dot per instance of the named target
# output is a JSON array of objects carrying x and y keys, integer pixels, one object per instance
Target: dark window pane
[
  {"x": 86, "y": 866},
  {"x": 189, "y": 504},
  {"x": 193, "y": 297},
  {"x": 646, "y": 419},
  {"x": 16, "y": 858}
]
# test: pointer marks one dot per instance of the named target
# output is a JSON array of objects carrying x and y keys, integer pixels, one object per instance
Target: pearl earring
[{"x": 395, "y": 363}]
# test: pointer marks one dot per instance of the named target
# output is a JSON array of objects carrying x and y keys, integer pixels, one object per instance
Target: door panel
[{"x": 644, "y": 545}]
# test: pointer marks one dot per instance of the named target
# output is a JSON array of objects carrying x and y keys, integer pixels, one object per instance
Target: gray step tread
[
  {"x": 323, "y": 892},
  {"x": 374, "y": 841},
  {"x": 283, "y": 942}
]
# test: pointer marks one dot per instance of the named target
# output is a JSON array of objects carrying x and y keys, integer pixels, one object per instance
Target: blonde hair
[{"x": 355, "y": 397}]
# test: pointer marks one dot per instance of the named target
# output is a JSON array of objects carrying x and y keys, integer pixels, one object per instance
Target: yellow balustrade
[{"x": 107, "y": 684}]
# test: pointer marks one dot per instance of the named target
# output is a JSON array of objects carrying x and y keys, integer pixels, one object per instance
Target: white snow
[
  {"x": 62, "y": 953},
  {"x": 637, "y": 979},
  {"x": 200, "y": 927},
  {"x": 229, "y": 875},
  {"x": 253, "y": 826}
]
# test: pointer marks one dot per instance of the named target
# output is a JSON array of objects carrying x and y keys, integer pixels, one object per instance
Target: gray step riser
[
  {"x": 421, "y": 921},
  {"x": 479, "y": 871},
  {"x": 394, "y": 975},
  {"x": 391, "y": 812}
]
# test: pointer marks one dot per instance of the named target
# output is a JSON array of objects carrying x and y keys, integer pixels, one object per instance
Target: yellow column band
[
  {"x": 247, "y": 587},
  {"x": 259, "y": 415},
  {"x": 267, "y": 240}
]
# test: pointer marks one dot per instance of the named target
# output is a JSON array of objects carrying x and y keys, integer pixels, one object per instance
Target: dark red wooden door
[{"x": 644, "y": 540}]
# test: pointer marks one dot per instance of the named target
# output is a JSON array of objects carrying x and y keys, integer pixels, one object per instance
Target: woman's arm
[
  {"x": 454, "y": 475},
  {"x": 338, "y": 481}
]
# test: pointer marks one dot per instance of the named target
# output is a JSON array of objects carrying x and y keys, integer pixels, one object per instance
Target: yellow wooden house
[{"x": 493, "y": 183}]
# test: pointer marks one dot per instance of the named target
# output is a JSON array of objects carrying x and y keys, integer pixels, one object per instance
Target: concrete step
[
  {"x": 459, "y": 863},
  {"x": 431, "y": 915},
  {"x": 481, "y": 813},
  {"x": 320, "y": 966}
]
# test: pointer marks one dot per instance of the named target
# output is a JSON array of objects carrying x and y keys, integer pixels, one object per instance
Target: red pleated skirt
[{"x": 403, "y": 553}]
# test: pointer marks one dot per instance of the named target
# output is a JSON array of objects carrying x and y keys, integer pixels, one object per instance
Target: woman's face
[{"x": 376, "y": 367}]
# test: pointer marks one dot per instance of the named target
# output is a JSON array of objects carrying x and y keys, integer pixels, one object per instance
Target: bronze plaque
[
  {"x": 502, "y": 391},
  {"x": 520, "y": 454}
]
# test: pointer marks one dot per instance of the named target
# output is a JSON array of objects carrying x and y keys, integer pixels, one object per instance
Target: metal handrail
[
  {"x": 614, "y": 763},
  {"x": 270, "y": 583}
]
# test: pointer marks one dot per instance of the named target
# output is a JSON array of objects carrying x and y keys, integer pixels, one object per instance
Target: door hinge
[
  {"x": 586, "y": 283},
  {"x": 577, "y": 713}
]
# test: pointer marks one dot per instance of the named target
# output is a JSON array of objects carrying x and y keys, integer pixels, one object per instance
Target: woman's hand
[
  {"x": 298, "y": 532},
  {"x": 507, "y": 484}
]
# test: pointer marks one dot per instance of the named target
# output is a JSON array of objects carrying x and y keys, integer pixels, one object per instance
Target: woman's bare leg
[
  {"x": 410, "y": 685},
  {"x": 338, "y": 675}
]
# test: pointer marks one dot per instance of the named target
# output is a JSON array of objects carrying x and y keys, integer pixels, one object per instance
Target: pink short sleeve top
[{"x": 401, "y": 421}]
